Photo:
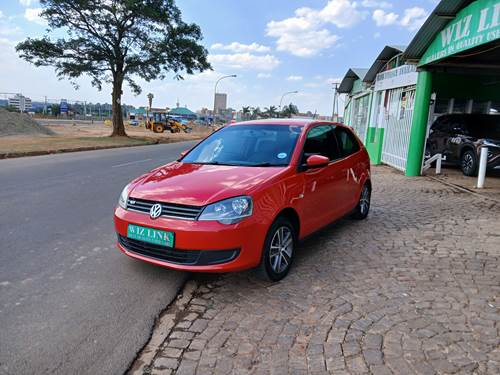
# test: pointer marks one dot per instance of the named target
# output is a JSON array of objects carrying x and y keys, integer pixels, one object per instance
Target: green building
[
  {"x": 359, "y": 97},
  {"x": 452, "y": 65},
  {"x": 457, "y": 52}
]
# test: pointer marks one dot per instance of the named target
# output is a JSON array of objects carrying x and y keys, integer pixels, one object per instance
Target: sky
[{"x": 272, "y": 46}]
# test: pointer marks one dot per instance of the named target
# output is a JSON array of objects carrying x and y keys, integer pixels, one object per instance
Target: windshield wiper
[
  {"x": 214, "y": 163},
  {"x": 266, "y": 164}
]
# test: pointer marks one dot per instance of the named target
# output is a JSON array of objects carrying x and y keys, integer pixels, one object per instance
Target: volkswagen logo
[{"x": 155, "y": 211}]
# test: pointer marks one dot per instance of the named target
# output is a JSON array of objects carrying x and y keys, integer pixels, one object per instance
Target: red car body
[{"x": 311, "y": 198}]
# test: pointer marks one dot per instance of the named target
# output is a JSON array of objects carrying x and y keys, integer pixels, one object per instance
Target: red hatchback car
[{"x": 244, "y": 196}]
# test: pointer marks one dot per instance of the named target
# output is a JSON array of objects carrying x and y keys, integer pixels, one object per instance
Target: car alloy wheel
[
  {"x": 469, "y": 163},
  {"x": 363, "y": 207},
  {"x": 281, "y": 250},
  {"x": 364, "y": 202}
]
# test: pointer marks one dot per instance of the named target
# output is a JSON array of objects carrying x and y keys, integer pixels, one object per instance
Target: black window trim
[{"x": 302, "y": 167}]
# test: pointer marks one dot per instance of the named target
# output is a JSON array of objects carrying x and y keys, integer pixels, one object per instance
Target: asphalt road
[{"x": 70, "y": 302}]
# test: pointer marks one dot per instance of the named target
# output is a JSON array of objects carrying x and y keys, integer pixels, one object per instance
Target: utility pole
[
  {"x": 335, "y": 109},
  {"x": 45, "y": 106}
]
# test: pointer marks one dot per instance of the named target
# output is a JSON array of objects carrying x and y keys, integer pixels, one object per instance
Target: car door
[
  {"x": 351, "y": 167},
  {"x": 322, "y": 186}
]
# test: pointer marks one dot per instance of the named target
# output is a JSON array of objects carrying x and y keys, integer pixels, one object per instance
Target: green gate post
[{"x": 419, "y": 125}]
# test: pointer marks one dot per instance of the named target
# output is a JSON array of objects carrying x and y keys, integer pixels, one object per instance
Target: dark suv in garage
[{"x": 459, "y": 137}]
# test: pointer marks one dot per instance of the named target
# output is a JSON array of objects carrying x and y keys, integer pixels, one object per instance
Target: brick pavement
[{"x": 415, "y": 288}]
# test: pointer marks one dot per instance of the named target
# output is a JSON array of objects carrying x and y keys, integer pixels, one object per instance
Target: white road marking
[{"x": 130, "y": 163}]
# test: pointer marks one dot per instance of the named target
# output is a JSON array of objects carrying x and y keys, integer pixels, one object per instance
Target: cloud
[
  {"x": 342, "y": 13},
  {"x": 376, "y": 4},
  {"x": 33, "y": 15},
  {"x": 26, "y": 3},
  {"x": 294, "y": 78},
  {"x": 240, "y": 47},
  {"x": 414, "y": 18},
  {"x": 305, "y": 34},
  {"x": 1, "y": 14},
  {"x": 264, "y": 75},
  {"x": 382, "y": 18},
  {"x": 245, "y": 61}
]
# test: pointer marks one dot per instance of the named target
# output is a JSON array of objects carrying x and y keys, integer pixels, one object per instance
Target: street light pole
[
  {"x": 285, "y": 94},
  {"x": 335, "y": 100},
  {"x": 215, "y": 90}
]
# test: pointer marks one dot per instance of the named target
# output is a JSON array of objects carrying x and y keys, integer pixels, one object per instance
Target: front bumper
[{"x": 203, "y": 246}]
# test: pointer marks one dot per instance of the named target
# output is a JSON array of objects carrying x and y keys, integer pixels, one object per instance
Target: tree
[
  {"x": 289, "y": 110},
  {"x": 256, "y": 112},
  {"x": 55, "y": 109},
  {"x": 116, "y": 41},
  {"x": 245, "y": 112},
  {"x": 271, "y": 111}
]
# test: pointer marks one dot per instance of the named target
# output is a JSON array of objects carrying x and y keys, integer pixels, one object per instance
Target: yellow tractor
[
  {"x": 160, "y": 121},
  {"x": 157, "y": 121}
]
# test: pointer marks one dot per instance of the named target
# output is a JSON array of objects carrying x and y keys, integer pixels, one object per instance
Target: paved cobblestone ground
[{"x": 413, "y": 289}]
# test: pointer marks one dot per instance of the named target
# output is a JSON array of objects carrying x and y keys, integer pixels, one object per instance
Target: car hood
[{"x": 198, "y": 185}]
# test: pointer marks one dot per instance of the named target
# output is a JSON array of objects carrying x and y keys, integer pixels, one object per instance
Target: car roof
[{"x": 285, "y": 121}]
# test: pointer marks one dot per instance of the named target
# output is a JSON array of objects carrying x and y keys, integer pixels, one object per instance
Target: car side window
[
  {"x": 321, "y": 141},
  {"x": 347, "y": 142}
]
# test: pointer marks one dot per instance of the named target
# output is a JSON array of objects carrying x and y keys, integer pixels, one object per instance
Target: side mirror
[
  {"x": 183, "y": 153},
  {"x": 317, "y": 161}
]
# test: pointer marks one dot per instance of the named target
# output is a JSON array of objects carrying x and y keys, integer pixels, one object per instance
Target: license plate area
[{"x": 151, "y": 235}]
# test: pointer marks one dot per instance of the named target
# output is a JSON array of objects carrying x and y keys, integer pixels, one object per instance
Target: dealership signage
[
  {"x": 63, "y": 107},
  {"x": 402, "y": 76},
  {"x": 475, "y": 25}
]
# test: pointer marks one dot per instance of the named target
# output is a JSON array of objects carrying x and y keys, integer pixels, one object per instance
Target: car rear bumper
[{"x": 200, "y": 246}]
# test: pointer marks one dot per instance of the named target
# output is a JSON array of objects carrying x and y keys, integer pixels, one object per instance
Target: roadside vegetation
[{"x": 123, "y": 41}]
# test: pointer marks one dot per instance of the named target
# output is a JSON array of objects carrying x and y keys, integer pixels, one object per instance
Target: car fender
[{"x": 280, "y": 195}]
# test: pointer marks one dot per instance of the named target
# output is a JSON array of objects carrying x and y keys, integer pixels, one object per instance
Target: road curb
[
  {"x": 90, "y": 148},
  {"x": 161, "y": 329}
]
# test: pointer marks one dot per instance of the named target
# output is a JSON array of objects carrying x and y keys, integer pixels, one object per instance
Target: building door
[
  {"x": 359, "y": 120},
  {"x": 398, "y": 123}
]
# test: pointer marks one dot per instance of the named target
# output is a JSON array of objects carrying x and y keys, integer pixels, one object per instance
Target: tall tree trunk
[{"x": 118, "y": 126}]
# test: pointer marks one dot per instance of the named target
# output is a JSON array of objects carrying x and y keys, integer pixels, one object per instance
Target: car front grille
[
  {"x": 185, "y": 257},
  {"x": 159, "y": 252},
  {"x": 178, "y": 211}
]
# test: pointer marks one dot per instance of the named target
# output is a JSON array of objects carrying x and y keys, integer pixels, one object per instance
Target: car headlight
[
  {"x": 122, "y": 201},
  {"x": 228, "y": 211}
]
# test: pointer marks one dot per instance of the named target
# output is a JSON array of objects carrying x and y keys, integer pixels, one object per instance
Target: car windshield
[{"x": 247, "y": 145}]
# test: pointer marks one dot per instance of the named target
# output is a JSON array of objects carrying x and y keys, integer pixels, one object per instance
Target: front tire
[
  {"x": 363, "y": 207},
  {"x": 468, "y": 162},
  {"x": 158, "y": 128},
  {"x": 279, "y": 250}
]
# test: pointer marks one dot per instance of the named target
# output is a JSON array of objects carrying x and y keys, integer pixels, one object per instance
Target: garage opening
[{"x": 465, "y": 111}]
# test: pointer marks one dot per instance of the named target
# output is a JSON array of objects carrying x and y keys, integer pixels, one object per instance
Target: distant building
[
  {"x": 183, "y": 112},
  {"x": 220, "y": 102},
  {"x": 20, "y": 102}
]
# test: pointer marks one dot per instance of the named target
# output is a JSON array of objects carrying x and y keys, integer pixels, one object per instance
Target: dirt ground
[
  {"x": 454, "y": 177},
  {"x": 84, "y": 135}
]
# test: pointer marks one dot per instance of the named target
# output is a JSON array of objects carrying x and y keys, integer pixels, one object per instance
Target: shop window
[
  {"x": 480, "y": 107},
  {"x": 459, "y": 106},
  {"x": 441, "y": 106},
  {"x": 494, "y": 108}
]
